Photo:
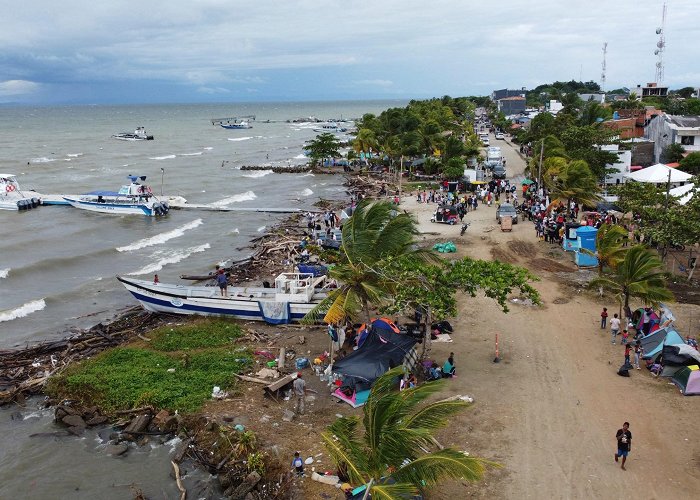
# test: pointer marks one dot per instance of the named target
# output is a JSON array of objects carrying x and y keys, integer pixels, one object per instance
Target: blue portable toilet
[
  {"x": 586, "y": 236},
  {"x": 570, "y": 241}
]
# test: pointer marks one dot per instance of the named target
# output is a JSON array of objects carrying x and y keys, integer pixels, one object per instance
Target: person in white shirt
[{"x": 614, "y": 328}]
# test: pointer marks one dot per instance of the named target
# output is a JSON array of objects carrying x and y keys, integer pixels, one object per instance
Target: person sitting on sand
[{"x": 448, "y": 369}]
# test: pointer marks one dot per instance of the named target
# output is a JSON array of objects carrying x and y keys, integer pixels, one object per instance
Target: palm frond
[
  {"x": 428, "y": 469},
  {"x": 395, "y": 491},
  {"x": 344, "y": 457},
  {"x": 435, "y": 415}
]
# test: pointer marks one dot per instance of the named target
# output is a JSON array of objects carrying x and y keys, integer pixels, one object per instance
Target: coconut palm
[
  {"x": 638, "y": 275},
  {"x": 373, "y": 234},
  {"x": 386, "y": 449},
  {"x": 609, "y": 249},
  {"x": 572, "y": 181},
  {"x": 365, "y": 142}
]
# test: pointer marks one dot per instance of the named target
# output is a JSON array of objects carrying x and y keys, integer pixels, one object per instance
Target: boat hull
[
  {"x": 112, "y": 208},
  {"x": 242, "y": 303}
]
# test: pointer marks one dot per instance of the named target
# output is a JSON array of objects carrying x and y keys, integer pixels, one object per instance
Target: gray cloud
[{"x": 402, "y": 48}]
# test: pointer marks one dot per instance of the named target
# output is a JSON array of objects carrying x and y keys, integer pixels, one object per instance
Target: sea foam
[
  {"x": 43, "y": 159},
  {"x": 236, "y": 198},
  {"x": 161, "y": 238},
  {"x": 166, "y": 257},
  {"x": 166, "y": 157},
  {"x": 4, "y": 273},
  {"x": 258, "y": 173},
  {"x": 306, "y": 192},
  {"x": 74, "y": 155},
  {"x": 236, "y": 139},
  {"x": 23, "y": 310},
  {"x": 198, "y": 153}
]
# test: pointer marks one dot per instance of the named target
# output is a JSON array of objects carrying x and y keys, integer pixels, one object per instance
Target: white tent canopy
[
  {"x": 684, "y": 193},
  {"x": 658, "y": 174}
]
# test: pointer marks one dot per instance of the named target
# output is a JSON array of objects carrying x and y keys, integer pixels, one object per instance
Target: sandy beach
[{"x": 548, "y": 412}]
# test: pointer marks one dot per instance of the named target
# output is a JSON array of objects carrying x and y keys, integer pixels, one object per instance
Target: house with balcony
[{"x": 664, "y": 130}]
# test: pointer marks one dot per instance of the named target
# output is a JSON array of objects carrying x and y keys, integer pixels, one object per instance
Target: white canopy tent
[
  {"x": 684, "y": 193},
  {"x": 658, "y": 174}
]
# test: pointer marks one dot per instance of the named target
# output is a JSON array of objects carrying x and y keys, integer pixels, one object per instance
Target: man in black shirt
[{"x": 624, "y": 443}]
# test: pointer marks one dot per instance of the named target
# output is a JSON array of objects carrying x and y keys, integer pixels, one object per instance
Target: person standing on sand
[
  {"x": 614, "y": 327},
  {"x": 222, "y": 281},
  {"x": 604, "y": 318},
  {"x": 300, "y": 392},
  {"x": 624, "y": 443}
]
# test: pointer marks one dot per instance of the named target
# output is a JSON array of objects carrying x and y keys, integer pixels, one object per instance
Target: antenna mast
[
  {"x": 602, "y": 75},
  {"x": 660, "y": 46}
]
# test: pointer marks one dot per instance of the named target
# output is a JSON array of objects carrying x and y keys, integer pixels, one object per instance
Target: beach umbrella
[{"x": 527, "y": 182}]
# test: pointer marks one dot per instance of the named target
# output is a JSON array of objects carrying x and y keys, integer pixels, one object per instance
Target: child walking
[
  {"x": 604, "y": 318},
  {"x": 637, "y": 353}
]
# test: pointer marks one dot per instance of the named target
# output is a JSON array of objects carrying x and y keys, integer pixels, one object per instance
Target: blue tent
[{"x": 654, "y": 343}]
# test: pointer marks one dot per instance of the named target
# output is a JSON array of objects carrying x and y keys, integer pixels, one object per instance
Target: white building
[
  {"x": 621, "y": 167},
  {"x": 554, "y": 106},
  {"x": 665, "y": 130}
]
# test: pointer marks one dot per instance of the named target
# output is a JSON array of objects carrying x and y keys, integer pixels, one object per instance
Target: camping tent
[
  {"x": 675, "y": 357},
  {"x": 380, "y": 324},
  {"x": 658, "y": 174},
  {"x": 684, "y": 193},
  {"x": 688, "y": 380},
  {"x": 654, "y": 343},
  {"x": 638, "y": 320},
  {"x": 381, "y": 351}
]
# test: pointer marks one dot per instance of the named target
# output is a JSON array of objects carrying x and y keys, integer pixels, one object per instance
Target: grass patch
[
  {"x": 199, "y": 334},
  {"x": 200, "y": 353}
]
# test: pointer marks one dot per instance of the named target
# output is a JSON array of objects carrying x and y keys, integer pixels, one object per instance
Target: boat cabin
[{"x": 296, "y": 287}]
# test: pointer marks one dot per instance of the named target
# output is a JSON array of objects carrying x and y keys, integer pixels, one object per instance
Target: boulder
[
  {"x": 138, "y": 424},
  {"x": 248, "y": 484},
  {"x": 116, "y": 449},
  {"x": 74, "y": 421},
  {"x": 161, "y": 417},
  {"x": 288, "y": 416},
  {"x": 97, "y": 420},
  {"x": 76, "y": 431}
]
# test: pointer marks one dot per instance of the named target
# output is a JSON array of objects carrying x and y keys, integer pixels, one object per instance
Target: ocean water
[{"x": 58, "y": 264}]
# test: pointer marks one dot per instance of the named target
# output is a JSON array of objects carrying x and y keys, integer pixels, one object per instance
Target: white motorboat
[
  {"x": 132, "y": 199},
  {"x": 13, "y": 198},
  {"x": 243, "y": 124},
  {"x": 294, "y": 295},
  {"x": 138, "y": 135},
  {"x": 330, "y": 127}
]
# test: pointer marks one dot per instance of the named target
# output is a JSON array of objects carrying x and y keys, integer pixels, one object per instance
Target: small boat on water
[
  {"x": 293, "y": 296},
  {"x": 138, "y": 135},
  {"x": 330, "y": 127},
  {"x": 244, "y": 124},
  {"x": 12, "y": 197},
  {"x": 132, "y": 199}
]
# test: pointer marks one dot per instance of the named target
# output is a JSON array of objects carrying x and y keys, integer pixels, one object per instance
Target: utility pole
[{"x": 539, "y": 171}]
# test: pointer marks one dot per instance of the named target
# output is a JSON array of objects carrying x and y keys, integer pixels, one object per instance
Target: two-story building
[
  {"x": 503, "y": 93},
  {"x": 511, "y": 105},
  {"x": 665, "y": 130}
]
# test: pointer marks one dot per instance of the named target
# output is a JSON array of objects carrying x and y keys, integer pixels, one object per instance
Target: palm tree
[
  {"x": 386, "y": 452},
  {"x": 365, "y": 142},
  {"x": 572, "y": 181},
  {"x": 374, "y": 234},
  {"x": 609, "y": 249},
  {"x": 638, "y": 275}
]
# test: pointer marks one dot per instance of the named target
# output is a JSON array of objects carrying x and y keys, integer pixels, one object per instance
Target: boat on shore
[
  {"x": 293, "y": 296},
  {"x": 12, "y": 197},
  {"x": 138, "y": 135},
  {"x": 132, "y": 199}
]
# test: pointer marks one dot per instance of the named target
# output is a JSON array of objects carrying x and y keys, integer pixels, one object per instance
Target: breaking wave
[
  {"x": 159, "y": 239},
  {"x": 258, "y": 173},
  {"x": 306, "y": 192},
  {"x": 43, "y": 159},
  {"x": 23, "y": 310},
  {"x": 4, "y": 273},
  {"x": 166, "y": 157},
  {"x": 169, "y": 256},
  {"x": 236, "y": 198},
  {"x": 198, "y": 153},
  {"x": 236, "y": 139}
]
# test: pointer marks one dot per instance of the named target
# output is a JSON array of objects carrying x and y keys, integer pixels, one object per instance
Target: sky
[{"x": 192, "y": 51}]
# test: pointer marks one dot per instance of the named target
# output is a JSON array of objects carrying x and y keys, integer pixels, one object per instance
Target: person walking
[
  {"x": 300, "y": 392},
  {"x": 614, "y": 326},
  {"x": 604, "y": 318},
  {"x": 624, "y": 443}
]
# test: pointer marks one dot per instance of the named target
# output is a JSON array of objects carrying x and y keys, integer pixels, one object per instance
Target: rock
[
  {"x": 248, "y": 484},
  {"x": 116, "y": 449},
  {"x": 16, "y": 415},
  {"x": 138, "y": 424},
  {"x": 170, "y": 424},
  {"x": 76, "y": 431},
  {"x": 161, "y": 417},
  {"x": 180, "y": 451},
  {"x": 302, "y": 339},
  {"x": 74, "y": 421},
  {"x": 288, "y": 416},
  {"x": 265, "y": 418},
  {"x": 97, "y": 420}
]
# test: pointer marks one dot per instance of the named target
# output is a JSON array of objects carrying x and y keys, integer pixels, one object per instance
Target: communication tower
[
  {"x": 602, "y": 75},
  {"x": 660, "y": 46}
]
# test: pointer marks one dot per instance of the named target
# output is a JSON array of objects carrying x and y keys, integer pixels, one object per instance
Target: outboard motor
[
  {"x": 35, "y": 202},
  {"x": 22, "y": 204},
  {"x": 166, "y": 207}
]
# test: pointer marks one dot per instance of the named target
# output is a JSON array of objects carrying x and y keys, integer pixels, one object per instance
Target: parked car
[
  {"x": 500, "y": 136},
  {"x": 498, "y": 171},
  {"x": 506, "y": 210}
]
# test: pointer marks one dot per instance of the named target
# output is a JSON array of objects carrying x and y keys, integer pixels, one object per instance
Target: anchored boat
[
  {"x": 138, "y": 135},
  {"x": 293, "y": 296},
  {"x": 12, "y": 197},
  {"x": 132, "y": 199}
]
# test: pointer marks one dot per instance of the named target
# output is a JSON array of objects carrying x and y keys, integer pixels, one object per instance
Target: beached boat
[
  {"x": 132, "y": 199},
  {"x": 138, "y": 135},
  {"x": 293, "y": 296},
  {"x": 12, "y": 197}
]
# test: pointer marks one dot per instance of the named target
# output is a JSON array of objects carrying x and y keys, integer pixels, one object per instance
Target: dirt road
[{"x": 548, "y": 412}]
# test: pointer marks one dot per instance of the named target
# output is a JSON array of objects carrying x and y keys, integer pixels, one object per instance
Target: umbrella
[{"x": 527, "y": 182}]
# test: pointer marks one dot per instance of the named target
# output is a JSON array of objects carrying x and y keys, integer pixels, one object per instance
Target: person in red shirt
[{"x": 604, "y": 318}]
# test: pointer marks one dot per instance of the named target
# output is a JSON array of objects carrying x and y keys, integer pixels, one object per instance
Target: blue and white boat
[
  {"x": 243, "y": 124},
  {"x": 294, "y": 295},
  {"x": 330, "y": 127},
  {"x": 132, "y": 199}
]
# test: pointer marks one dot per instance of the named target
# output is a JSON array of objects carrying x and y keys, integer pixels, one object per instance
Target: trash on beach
[
  {"x": 447, "y": 247},
  {"x": 309, "y": 460},
  {"x": 217, "y": 393}
]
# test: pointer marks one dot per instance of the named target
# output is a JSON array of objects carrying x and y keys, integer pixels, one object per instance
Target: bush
[{"x": 199, "y": 334}]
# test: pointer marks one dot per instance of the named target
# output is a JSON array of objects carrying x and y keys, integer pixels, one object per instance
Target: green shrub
[{"x": 196, "y": 335}]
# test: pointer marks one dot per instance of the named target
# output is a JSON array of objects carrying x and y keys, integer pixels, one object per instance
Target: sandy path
[{"x": 549, "y": 410}]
